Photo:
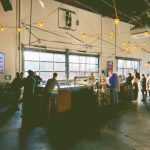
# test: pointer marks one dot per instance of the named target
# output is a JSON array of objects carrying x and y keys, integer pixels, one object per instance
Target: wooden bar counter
[{"x": 70, "y": 96}]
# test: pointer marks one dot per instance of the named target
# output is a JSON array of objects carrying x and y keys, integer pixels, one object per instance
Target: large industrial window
[
  {"x": 83, "y": 65},
  {"x": 66, "y": 65},
  {"x": 126, "y": 66},
  {"x": 45, "y": 64}
]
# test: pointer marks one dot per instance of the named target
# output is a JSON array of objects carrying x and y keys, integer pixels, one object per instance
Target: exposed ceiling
[{"x": 135, "y": 12}]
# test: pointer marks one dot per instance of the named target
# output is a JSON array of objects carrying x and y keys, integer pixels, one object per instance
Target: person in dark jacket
[
  {"x": 129, "y": 80},
  {"x": 16, "y": 88},
  {"x": 37, "y": 78},
  {"x": 143, "y": 85},
  {"x": 113, "y": 81},
  {"x": 28, "y": 95}
]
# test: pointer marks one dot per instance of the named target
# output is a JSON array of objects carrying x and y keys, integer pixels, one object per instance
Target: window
[
  {"x": 45, "y": 64},
  {"x": 82, "y": 65},
  {"x": 124, "y": 67}
]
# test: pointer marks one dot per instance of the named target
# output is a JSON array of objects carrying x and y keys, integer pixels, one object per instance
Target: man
[
  {"x": 129, "y": 80},
  {"x": 135, "y": 84},
  {"x": 16, "y": 88},
  {"x": 143, "y": 85},
  {"x": 37, "y": 78},
  {"x": 148, "y": 85},
  {"x": 49, "y": 90},
  {"x": 113, "y": 81},
  {"x": 28, "y": 95}
]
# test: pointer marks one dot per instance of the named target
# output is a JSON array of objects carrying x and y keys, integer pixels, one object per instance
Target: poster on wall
[
  {"x": 110, "y": 66},
  {"x": 2, "y": 62}
]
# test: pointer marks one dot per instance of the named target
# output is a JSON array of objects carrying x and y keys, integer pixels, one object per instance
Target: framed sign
[{"x": 2, "y": 63}]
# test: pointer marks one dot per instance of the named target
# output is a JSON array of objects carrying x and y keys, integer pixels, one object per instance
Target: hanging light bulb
[
  {"x": 40, "y": 23},
  {"x": 116, "y": 21},
  {"x": 111, "y": 33},
  {"x": 19, "y": 29},
  {"x": 123, "y": 44},
  {"x": 92, "y": 37},
  {"x": 84, "y": 35},
  {"x": 2, "y": 29},
  {"x": 146, "y": 33},
  {"x": 110, "y": 36}
]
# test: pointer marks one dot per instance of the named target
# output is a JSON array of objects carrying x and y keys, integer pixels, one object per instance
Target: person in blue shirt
[{"x": 113, "y": 83}]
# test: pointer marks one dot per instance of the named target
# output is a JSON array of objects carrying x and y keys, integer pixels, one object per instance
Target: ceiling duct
[{"x": 7, "y": 5}]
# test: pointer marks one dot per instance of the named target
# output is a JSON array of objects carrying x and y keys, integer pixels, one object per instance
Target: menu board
[{"x": 2, "y": 62}]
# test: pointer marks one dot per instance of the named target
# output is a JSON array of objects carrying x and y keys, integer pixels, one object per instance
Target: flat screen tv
[{"x": 2, "y": 62}]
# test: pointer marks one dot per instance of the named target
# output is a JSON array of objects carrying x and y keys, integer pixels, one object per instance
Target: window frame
[
  {"x": 127, "y": 59},
  {"x": 66, "y": 53}
]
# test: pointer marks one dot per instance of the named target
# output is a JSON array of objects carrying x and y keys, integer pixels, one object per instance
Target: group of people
[
  {"x": 29, "y": 85},
  {"x": 113, "y": 81}
]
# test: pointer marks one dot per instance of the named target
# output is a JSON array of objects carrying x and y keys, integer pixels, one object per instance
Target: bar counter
[{"x": 72, "y": 97}]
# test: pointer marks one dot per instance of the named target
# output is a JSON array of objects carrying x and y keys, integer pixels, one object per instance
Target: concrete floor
[{"x": 127, "y": 129}]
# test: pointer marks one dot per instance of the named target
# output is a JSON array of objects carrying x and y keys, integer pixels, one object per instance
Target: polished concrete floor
[{"x": 125, "y": 128}]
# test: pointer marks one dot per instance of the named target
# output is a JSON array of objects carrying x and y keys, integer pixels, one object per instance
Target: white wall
[{"x": 90, "y": 23}]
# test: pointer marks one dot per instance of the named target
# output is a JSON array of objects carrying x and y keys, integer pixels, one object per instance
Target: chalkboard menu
[{"x": 2, "y": 62}]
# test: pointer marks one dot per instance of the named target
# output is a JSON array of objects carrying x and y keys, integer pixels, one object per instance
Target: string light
[
  {"x": 111, "y": 33},
  {"x": 19, "y": 29},
  {"x": 84, "y": 35},
  {"x": 146, "y": 33},
  {"x": 2, "y": 29},
  {"x": 40, "y": 23},
  {"x": 92, "y": 37},
  {"x": 123, "y": 44},
  {"x": 116, "y": 21}
]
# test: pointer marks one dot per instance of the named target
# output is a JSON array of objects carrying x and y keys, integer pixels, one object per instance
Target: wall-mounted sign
[
  {"x": 110, "y": 66},
  {"x": 2, "y": 62}
]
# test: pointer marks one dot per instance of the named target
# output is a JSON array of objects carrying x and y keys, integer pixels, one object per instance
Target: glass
[
  {"x": 46, "y": 75},
  {"x": 82, "y": 59},
  {"x": 74, "y": 67},
  {"x": 59, "y": 66},
  {"x": 46, "y": 66},
  {"x": 120, "y": 63},
  {"x": 61, "y": 76},
  {"x": 93, "y": 60},
  {"x": 30, "y": 65},
  {"x": 73, "y": 74},
  {"x": 128, "y": 64},
  {"x": 46, "y": 56},
  {"x": 94, "y": 68},
  {"x": 83, "y": 67},
  {"x": 34, "y": 56},
  {"x": 74, "y": 59},
  {"x": 59, "y": 57}
]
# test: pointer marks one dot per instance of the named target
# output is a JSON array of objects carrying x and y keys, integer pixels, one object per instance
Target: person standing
[
  {"x": 16, "y": 88},
  {"x": 113, "y": 82},
  {"x": 28, "y": 95},
  {"x": 37, "y": 78},
  {"x": 148, "y": 85},
  {"x": 49, "y": 91},
  {"x": 143, "y": 85},
  {"x": 129, "y": 80},
  {"x": 135, "y": 84}
]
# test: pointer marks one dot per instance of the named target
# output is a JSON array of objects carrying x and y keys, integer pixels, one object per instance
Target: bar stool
[{"x": 52, "y": 97}]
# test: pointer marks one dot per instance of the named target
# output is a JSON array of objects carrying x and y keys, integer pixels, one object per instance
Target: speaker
[{"x": 7, "y": 6}]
